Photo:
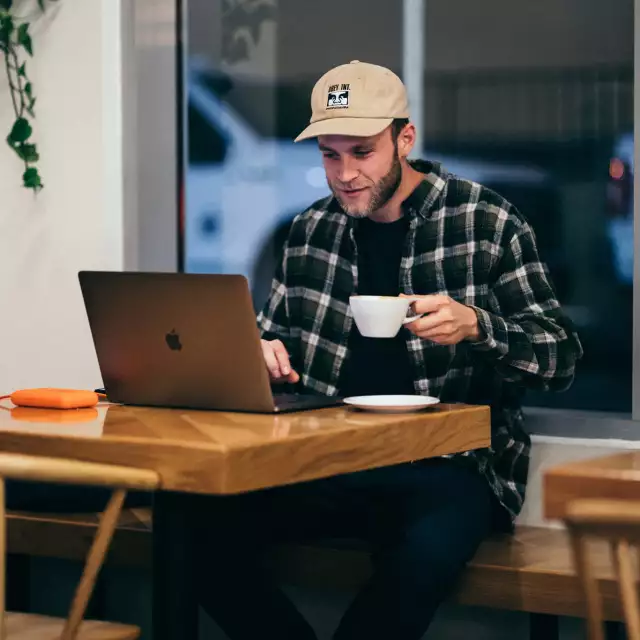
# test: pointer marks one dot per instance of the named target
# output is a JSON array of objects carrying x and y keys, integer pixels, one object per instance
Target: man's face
[{"x": 363, "y": 173}]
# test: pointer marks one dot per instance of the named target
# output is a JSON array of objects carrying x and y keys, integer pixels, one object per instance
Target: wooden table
[
  {"x": 615, "y": 476},
  {"x": 224, "y": 453},
  {"x": 220, "y": 453}
]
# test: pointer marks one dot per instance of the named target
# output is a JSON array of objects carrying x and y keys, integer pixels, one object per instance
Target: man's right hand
[{"x": 277, "y": 361}]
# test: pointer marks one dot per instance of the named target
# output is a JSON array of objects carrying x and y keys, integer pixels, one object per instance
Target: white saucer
[{"x": 391, "y": 404}]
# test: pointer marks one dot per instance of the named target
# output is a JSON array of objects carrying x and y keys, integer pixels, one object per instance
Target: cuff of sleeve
[{"x": 494, "y": 335}]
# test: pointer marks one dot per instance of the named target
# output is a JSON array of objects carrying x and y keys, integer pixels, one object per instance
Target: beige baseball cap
[{"x": 356, "y": 99}]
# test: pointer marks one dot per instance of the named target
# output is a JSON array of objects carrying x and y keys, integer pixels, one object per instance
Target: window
[
  {"x": 533, "y": 99},
  {"x": 550, "y": 84}
]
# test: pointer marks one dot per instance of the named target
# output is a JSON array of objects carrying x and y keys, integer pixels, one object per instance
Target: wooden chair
[
  {"x": 41, "y": 469},
  {"x": 617, "y": 522}
]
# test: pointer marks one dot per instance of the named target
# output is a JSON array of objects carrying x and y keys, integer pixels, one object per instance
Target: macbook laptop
[{"x": 182, "y": 340}]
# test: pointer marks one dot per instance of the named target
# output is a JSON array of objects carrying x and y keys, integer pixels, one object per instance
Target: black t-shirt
[{"x": 377, "y": 366}]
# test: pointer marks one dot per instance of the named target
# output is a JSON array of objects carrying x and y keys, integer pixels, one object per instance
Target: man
[{"x": 491, "y": 327}]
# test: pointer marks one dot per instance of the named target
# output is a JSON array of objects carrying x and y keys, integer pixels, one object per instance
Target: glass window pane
[
  {"x": 534, "y": 100},
  {"x": 550, "y": 85}
]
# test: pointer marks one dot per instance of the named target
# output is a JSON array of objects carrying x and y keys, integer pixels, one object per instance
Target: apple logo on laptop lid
[{"x": 173, "y": 340}]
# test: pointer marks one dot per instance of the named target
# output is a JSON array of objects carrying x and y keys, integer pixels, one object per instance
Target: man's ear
[{"x": 406, "y": 140}]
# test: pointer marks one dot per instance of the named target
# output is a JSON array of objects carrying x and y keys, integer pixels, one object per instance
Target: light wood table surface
[
  {"x": 222, "y": 453},
  {"x": 615, "y": 476}
]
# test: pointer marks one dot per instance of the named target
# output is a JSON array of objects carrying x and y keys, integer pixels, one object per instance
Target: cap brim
[{"x": 358, "y": 127}]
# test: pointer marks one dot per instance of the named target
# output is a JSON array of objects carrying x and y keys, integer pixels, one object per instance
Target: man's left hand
[{"x": 446, "y": 321}]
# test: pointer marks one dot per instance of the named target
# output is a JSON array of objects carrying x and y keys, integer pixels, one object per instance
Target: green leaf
[
  {"x": 22, "y": 70},
  {"x": 28, "y": 88},
  {"x": 28, "y": 153},
  {"x": 31, "y": 179},
  {"x": 30, "y": 107},
  {"x": 20, "y": 132},
  {"x": 6, "y": 4},
  {"x": 41, "y": 4},
  {"x": 6, "y": 30},
  {"x": 24, "y": 38},
  {"x": 15, "y": 147}
]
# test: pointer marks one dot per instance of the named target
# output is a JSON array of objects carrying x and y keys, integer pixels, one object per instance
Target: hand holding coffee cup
[
  {"x": 381, "y": 316},
  {"x": 443, "y": 320}
]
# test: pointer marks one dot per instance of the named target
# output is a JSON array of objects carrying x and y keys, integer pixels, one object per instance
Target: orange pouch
[{"x": 54, "y": 398}]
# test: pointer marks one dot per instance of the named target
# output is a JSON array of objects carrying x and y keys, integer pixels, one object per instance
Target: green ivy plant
[{"x": 15, "y": 42}]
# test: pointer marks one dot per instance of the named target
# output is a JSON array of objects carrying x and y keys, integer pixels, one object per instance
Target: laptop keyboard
[{"x": 289, "y": 397}]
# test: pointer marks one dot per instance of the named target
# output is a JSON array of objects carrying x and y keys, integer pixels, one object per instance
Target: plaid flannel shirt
[{"x": 464, "y": 241}]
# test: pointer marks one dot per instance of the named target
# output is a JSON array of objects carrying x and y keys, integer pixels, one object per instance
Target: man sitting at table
[{"x": 491, "y": 327}]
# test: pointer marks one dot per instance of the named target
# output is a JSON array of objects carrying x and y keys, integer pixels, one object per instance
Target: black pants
[{"x": 424, "y": 521}]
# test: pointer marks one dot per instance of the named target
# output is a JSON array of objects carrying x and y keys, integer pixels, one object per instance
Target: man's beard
[{"x": 381, "y": 192}]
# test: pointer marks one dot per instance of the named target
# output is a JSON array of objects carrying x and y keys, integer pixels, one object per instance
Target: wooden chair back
[{"x": 41, "y": 469}]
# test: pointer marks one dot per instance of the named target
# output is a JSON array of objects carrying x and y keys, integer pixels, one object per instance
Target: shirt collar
[{"x": 420, "y": 201}]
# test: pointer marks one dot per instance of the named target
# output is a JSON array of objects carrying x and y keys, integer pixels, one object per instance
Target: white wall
[{"x": 76, "y": 221}]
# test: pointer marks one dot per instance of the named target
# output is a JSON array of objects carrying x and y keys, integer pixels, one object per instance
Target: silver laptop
[{"x": 182, "y": 340}]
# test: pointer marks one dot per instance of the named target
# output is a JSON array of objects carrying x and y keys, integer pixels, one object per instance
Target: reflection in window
[{"x": 206, "y": 144}]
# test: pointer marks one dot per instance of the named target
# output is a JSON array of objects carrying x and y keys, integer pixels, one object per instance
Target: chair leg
[
  {"x": 95, "y": 559},
  {"x": 18, "y": 582},
  {"x": 543, "y": 626}
]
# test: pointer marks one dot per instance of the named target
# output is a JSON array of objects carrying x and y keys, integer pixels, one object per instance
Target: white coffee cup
[{"x": 380, "y": 316}]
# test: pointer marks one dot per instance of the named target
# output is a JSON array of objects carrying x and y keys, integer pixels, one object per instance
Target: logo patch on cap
[{"x": 338, "y": 97}]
